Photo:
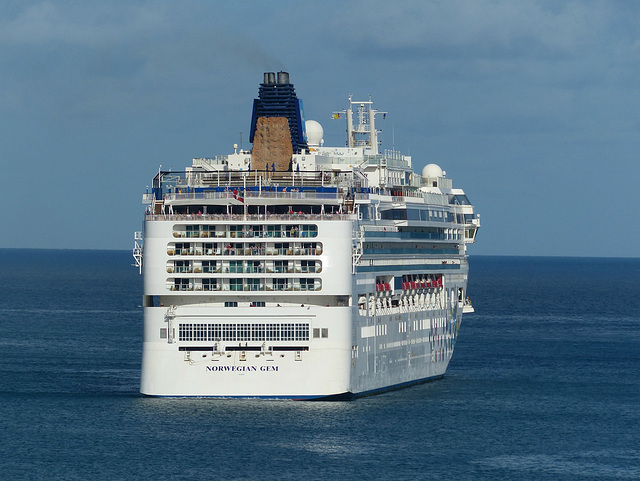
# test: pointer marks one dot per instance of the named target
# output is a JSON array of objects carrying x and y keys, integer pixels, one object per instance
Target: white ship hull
[{"x": 365, "y": 350}]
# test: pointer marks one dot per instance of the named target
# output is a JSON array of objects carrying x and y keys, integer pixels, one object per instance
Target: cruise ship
[{"x": 294, "y": 270}]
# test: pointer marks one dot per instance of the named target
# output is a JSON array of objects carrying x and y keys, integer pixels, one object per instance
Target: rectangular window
[
  {"x": 185, "y": 332},
  {"x": 413, "y": 214},
  {"x": 199, "y": 332},
  {"x": 202, "y": 332},
  {"x": 253, "y": 284},
  {"x": 183, "y": 248},
  {"x": 302, "y": 332},
  {"x": 273, "y": 231},
  {"x": 235, "y": 231},
  {"x": 209, "y": 266},
  {"x": 280, "y": 284},
  {"x": 306, "y": 284},
  {"x": 214, "y": 332},
  {"x": 257, "y": 332},
  {"x": 243, "y": 332},
  {"x": 287, "y": 332},
  {"x": 235, "y": 267},
  {"x": 254, "y": 267},
  {"x": 228, "y": 332},
  {"x": 308, "y": 266},
  {"x": 309, "y": 231},
  {"x": 281, "y": 266},
  {"x": 273, "y": 332},
  {"x": 209, "y": 284},
  {"x": 235, "y": 284},
  {"x": 193, "y": 231},
  {"x": 183, "y": 266},
  {"x": 325, "y": 332}
]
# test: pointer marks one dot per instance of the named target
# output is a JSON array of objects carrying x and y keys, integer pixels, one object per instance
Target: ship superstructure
[{"x": 300, "y": 271}]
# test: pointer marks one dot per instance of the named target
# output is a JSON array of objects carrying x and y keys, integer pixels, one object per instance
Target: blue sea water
[{"x": 544, "y": 384}]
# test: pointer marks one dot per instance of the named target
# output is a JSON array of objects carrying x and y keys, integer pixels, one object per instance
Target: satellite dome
[
  {"x": 315, "y": 133},
  {"x": 431, "y": 171}
]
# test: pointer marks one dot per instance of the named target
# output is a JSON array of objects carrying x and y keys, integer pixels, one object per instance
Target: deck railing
[{"x": 249, "y": 217}]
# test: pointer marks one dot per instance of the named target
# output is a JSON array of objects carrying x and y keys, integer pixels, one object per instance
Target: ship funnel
[
  {"x": 283, "y": 77},
  {"x": 269, "y": 78}
]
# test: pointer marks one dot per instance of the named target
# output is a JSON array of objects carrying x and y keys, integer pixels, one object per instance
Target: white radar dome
[
  {"x": 315, "y": 133},
  {"x": 431, "y": 171}
]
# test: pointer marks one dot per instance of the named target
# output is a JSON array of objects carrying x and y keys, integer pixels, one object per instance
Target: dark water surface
[{"x": 544, "y": 384}]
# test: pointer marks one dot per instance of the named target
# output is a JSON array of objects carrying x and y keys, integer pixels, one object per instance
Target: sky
[{"x": 531, "y": 106}]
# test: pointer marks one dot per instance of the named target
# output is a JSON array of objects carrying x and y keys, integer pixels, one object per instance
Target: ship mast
[{"x": 366, "y": 126}]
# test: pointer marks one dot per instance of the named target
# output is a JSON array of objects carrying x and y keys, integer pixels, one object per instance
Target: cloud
[
  {"x": 470, "y": 28},
  {"x": 82, "y": 59},
  {"x": 77, "y": 23}
]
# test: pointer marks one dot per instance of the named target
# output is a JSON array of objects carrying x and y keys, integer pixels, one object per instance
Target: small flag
[{"x": 237, "y": 195}]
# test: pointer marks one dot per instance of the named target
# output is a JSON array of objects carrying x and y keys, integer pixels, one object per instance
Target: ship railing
[
  {"x": 235, "y": 252},
  {"x": 286, "y": 194},
  {"x": 204, "y": 175},
  {"x": 248, "y": 217}
]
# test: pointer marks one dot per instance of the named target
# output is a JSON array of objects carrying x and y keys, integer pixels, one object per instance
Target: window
[
  {"x": 309, "y": 231},
  {"x": 185, "y": 332},
  {"x": 214, "y": 332},
  {"x": 281, "y": 266},
  {"x": 282, "y": 248},
  {"x": 306, "y": 284},
  {"x": 183, "y": 266},
  {"x": 255, "y": 231},
  {"x": 231, "y": 304},
  {"x": 244, "y": 332},
  {"x": 254, "y": 266},
  {"x": 235, "y": 231},
  {"x": 273, "y": 332},
  {"x": 210, "y": 248},
  {"x": 287, "y": 332},
  {"x": 209, "y": 266},
  {"x": 291, "y": 231},
  {"x": 280, "y": 284},
  {"x": 235, "y": 267},
  {"x": 273, "y": 231},
  {"x": 228, "y": 332},
  {"x": 413, "y": 214},
  {"x": 259, "y": 332},
  {"x": 235, "y": 284},
  {"x": 394, "y": 214},
  {"x": 208, "y": 230},
  {"x": 209, "y": 284},
  {"x": 301, "y": 332},
  {"x": 183, "y": 248},
  {"x": 308, "y": 266},
  {"x": 199, "y": 332}
]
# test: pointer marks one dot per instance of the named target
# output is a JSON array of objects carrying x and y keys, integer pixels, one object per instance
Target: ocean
[{"x": 544, "y": 384}]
